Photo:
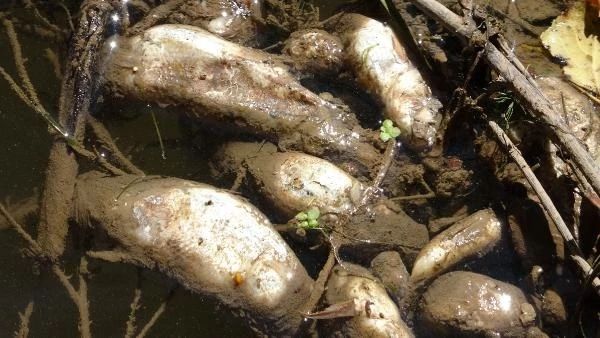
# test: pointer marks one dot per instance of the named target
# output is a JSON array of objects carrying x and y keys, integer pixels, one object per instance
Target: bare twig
[
  {"x": 53, "y": 59},
  {"x": 317, "y": 291},
  {"x": 372, "y": 191},
  {"x": 20, "y": 63},
  {"x": 42, "y": 18},
  {"x": 24, "y": 321},
  {"x": 159, "y": 311},
  {"x": 319, "y": 285},
  {"x": 79, "y": 297},
  {"x": 33, "y": 245},
  {"x": 528, "y": 94},
  {"x": 130, "y": 326},
  {"x": 26, "y": 92},
  {"x": 515, "y": 154}
]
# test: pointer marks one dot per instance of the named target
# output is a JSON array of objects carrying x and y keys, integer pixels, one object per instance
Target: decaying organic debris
[
  {"x": 382, "y": 67},
  {"x": 471, "y": 236},
  {"x": 211, "y": 241},
  {"x": 241, "y": 88},
  {"x": 373, "y": 313},
  {"x": 292, "y": 181}
]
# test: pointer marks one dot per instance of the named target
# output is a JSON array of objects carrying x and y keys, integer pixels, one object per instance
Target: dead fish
[
  {"x": 351, "y": 289},
  {"x": 240, "y": 88},
  {"x": 291, "y": 181},
  {"x": 382, "y": 67},
  {"x": 466, "y": 238},
  {"x": 214, "y": 243}
]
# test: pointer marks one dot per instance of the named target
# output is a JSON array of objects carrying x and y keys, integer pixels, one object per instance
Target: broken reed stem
[
  {"x": 160, "y": 141},
  {"x": 319, "y": 285},
  {"x": 528, "y": 93},
  {"x": 24, "y": 321},
  {"x": 515, "y": 154},
  {"x": 388, "y": 158},
  {"x": 68, "y": 14},
  {"x": 316, "y": 293},
  {"x": 53, "y": 59}
]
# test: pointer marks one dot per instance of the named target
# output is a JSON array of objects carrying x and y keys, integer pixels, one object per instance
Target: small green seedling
[
  {"x": 505, "y": 98},
  {"x": 308, "y": 219},
  {"x": 388, "y": 131}
]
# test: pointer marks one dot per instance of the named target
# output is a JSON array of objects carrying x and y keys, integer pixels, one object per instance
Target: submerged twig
[
  {"x": 24, "y": 321},
  {"x": 130, "y": 326},
  {"x": 156, "y": 315},
  {"x": 26, "y": 92},
  {"x": 160, "y": 141},
  {"x": 79, "y": 297},
  {"x": 546, "y": 202}
]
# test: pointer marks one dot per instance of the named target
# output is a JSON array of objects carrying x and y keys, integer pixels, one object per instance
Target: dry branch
[{"x": 515, "y": 154}]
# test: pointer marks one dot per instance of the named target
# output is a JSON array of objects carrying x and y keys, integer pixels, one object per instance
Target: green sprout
[
  {"x": 308, "y": 219},
  {"x": 505, "y": 98},
  {"x": 388, "y": 131}
]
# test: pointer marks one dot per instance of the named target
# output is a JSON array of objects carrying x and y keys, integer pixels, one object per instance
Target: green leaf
[
  {"x": 313, "y": 213},
  {"x": 301, "y": 216},
  {"x": 384, "y": 136},
  {"x": 394, "y": 132}
]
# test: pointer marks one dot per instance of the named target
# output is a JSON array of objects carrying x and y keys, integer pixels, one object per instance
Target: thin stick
[
  {"x": 160, "y": 141},
  {"x": 319, "y": 285},
  {"x": 527, "y": 93},
  {"x": 134, "y": 306},
  {"x": 20, "y": 62},
  {"x": 373, "y": 190},
  {"x": 515, "y": 154},
  {"x": 79, "y": 297},
  {"x": 24, "y": 321},
  {"x": 317, "y": 292},
  {"x": 156, "y": 315},
  {"x": 33, "y": 245},
  {"x": 42, "y": 18}
]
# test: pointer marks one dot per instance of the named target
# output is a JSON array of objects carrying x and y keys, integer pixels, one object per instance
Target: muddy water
[{"x": 25, "y": 144}]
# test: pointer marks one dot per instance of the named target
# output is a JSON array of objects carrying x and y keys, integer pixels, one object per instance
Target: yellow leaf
[{"x": 566, "y": 39}]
